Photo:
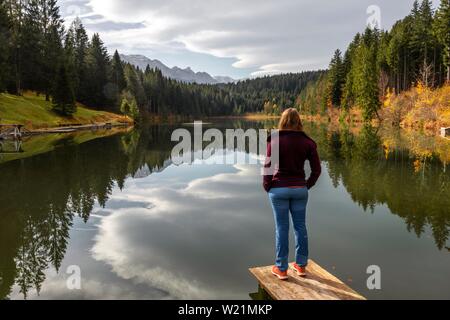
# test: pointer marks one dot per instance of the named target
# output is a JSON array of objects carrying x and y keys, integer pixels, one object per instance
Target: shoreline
[
  {"x": 68, "y": 129},
  {"x": 322, "y": 119},
  {"x": 255, "y": 116},
  {"x": 33, "y": 114},
  {"x": 354, "y": 119},
  {"x": 81, "y": 127}
]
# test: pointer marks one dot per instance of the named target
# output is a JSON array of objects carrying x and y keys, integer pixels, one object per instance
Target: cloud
[
  {"x": 55, "y": 288},
  {"x": 265, "y": 36},
  {"x": 172, "y": 243}
]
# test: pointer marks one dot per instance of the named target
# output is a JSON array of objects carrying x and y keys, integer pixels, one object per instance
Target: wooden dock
[{"x": 318, "y": 285}]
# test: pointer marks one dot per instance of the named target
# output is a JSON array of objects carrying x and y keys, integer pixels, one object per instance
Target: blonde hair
[{"x": 290, "y": 120}]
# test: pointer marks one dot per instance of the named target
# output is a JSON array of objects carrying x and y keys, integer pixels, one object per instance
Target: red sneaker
[
  {"x": 280, "y": 274},
  {"x": 301, "y": 271}
]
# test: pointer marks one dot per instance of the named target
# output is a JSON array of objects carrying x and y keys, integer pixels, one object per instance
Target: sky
[{"x": 237, "y": 38}]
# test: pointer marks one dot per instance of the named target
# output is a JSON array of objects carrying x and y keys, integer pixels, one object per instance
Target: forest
[
  {"x": 379, "y": 66},
  {"x": 372, "y": 76},
  {"x": 67, "y": 66}
]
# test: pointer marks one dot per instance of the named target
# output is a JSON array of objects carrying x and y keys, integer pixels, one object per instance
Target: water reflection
[
  {"x": 206, "y": 209},
  {"x": 405, "y": 171},
  {"x": 149, "y": 215}
]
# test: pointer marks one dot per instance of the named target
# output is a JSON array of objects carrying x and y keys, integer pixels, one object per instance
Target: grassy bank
[
  {"x": 32, "y": 146},
  {"x": 34, "y": 112}
]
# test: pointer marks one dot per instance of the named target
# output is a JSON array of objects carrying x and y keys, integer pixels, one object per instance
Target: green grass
[
  {"x": 33, "y": 111},
  {"x": 40, "y": 144}
]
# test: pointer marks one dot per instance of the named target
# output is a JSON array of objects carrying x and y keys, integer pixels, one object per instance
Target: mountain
[
  {"x": 183, "y": 75},
  {"x": 224, "y": 79}
]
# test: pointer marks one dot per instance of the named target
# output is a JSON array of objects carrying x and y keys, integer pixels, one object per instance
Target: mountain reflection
[{"x": 40, "y": 196}]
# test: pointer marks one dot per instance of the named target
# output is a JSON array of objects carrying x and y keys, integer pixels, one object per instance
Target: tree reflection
[
  {"x": 379, "y": 167},
  {"x": 41, "y": 195}
]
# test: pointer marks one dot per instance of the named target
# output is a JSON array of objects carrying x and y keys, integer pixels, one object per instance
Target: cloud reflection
[{"x": 174, "y": 242}]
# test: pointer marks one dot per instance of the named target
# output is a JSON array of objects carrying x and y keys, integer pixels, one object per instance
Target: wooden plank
[{"x": 318, "y": 285}]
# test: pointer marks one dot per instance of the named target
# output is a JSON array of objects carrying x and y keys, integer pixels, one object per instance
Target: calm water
[{"x": 141, "y": 228}]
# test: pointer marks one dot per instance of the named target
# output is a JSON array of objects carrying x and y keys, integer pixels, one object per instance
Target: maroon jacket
[{"x": 295, "y": 148}]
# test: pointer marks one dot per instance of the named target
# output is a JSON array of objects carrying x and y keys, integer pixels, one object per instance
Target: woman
[{"x": 285, "y": 181}]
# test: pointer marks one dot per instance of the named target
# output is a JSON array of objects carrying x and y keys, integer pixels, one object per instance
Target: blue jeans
[{"x": 285, "y": 200}]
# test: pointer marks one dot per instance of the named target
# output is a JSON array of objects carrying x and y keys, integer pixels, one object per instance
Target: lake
[{"x": 116, "y": 209}]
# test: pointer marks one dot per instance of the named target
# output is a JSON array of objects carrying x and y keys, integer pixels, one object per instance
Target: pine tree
[
  {"x": 422, "y": 39},
  {"x": 52, "y": 30},
  {"x": 81, "y": 45},
  {"x": 336, "y": 79},
  {"x": 63, "y": 97},
  {"x": 5, "y": 48},
  {"x": 365, "y": 84},
  {"x": 442, "y": 32},
  {"x": 384, "y": 81},
  {"x": 97, "y": 61},
  {"x": 117, "y": 75},
  {"x": 395, "y": 54},
  {"x": 32, "y": 47},
  {"x": 70, "y": 58},
  {"x": 134, "y": 84},
  {"x": 348, "y": 97},
  {"x": 16, "y": 14}
]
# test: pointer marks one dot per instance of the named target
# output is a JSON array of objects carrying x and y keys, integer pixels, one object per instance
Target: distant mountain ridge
[{"x": 184, "y": 75}]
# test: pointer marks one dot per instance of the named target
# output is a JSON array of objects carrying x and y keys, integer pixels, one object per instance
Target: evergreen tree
[
  {"x": 5, "y": 48},
  {"x": 52, "y": 33},
  {"x": 97, "y": 61},
  {"x": 336, "y": 79},
  {"x": 16, "y": 14},
  {"x": 32, "y": 47},
  {"x": 442, "y": 32},
  {"x": 365, "y": 84},
  {"x": 384, "y": 80},
  {"x": 422, "y": 40},
  {"x": 348, "y": 76},
  {"x": 81, "y": 45},
  {"x": 134, "y": 84},
  {"x": 117, "y": 76},
  {"x": 63, "y": 97},
  {"x": 70, "y": 58},
  {"x": 396, "y": 54}
]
